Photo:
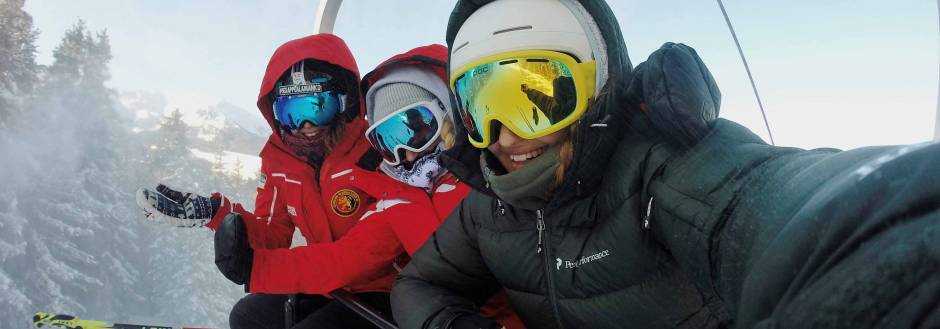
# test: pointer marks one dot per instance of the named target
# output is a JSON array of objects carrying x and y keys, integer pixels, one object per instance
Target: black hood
[{"x": 598, "y": 130}]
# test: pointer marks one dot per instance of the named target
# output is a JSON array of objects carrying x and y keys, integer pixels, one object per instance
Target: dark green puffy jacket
[{"x": 674, "y": 220}]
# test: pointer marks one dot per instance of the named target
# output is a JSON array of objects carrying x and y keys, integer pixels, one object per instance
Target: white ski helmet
[{"x": 507, "y": 25}]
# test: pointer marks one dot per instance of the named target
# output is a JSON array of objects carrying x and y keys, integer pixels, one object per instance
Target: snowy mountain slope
[
  {"x": 205, "y": 113},
  {"x": 215, "y": 126}
]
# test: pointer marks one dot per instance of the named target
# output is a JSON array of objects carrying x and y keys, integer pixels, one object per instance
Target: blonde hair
[
  {"x": 565, "y": 156},
  {"x": 448, "y": 135}
]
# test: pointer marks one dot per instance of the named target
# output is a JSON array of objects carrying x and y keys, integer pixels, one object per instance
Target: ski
[{"x": 71, "y": 322}]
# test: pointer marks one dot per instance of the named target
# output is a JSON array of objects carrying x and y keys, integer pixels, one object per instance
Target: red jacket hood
[
  {"x": 323, "y": 47},
  {"x": 433, "y": 55}
]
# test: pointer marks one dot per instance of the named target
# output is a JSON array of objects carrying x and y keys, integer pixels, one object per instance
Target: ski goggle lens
[
  {"x": 413, "y": 128},
  {"x": 319, "y": 108},
  {"x": 533, "y": 93}
]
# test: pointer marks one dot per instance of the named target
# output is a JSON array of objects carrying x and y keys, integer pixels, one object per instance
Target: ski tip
[
  {"x": 41, "y": 319},
  {"x": 56, "y": 321}
]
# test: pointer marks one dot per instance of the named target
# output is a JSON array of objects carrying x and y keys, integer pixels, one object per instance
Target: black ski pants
[{"x": 263, "y": 311}]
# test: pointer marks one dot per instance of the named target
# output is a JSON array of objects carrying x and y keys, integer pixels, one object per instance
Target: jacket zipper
[
  {"x": 540, "y": 226},
  {"x": 546, "y": 260}
]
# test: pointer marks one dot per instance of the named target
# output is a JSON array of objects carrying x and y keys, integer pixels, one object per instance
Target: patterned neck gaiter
[
  {"x": 313, "y": 149},
  {"x": 424, "y": 173}
]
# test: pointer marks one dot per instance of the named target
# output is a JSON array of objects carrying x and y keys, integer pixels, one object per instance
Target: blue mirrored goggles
[
  {"x": 320, "y": 108},
  {"x": 413, "y": 128}
]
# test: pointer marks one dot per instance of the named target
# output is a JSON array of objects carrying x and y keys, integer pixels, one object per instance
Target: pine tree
[
  {"x": 218, "y": 161},
  {"x": 18, "y": 68},
  {"x": 169, "y": 156},
  {"x": 81, "y": 59}
]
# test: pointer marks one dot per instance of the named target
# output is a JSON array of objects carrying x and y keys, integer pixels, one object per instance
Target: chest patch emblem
[{"x": 345, "y": 202}]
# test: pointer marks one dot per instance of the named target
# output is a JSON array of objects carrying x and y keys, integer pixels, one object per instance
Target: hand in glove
[
  {"x": 677, "y": 92},
  {"x": 473, "y": 321},
  {"x": 233, "y": 253},
  {"x": 165, "y": 205}
]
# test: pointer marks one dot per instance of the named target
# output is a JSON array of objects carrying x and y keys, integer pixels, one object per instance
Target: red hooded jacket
[{"x": 290, "y": 195}]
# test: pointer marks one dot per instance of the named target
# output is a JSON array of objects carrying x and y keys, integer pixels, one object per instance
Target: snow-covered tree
[
  {"x": 18, "y": 68},
  {"x": 18, "y": 73},
  {"x": 169, "y": 155}
]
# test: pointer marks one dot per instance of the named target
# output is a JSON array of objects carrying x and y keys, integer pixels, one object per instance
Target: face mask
[
  {"x": 423, "y": 173},
  {"x": 311, "y": 149}
]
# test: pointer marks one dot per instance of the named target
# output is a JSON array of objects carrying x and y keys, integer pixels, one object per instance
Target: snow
[
  {"x": 250, "y": 120},
  {"x": 250, "y": 164}
]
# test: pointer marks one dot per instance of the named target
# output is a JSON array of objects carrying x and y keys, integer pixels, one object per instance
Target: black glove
[
  {"x": 677, "y": 92},
  {"x": 233, "y": 253},
  {"x": 473, "y": 321},
  {"x": 166, "y": 205}
]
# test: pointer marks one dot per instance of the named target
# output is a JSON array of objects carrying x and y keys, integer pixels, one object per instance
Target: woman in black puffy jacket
[{"x": 634, "y": 206}]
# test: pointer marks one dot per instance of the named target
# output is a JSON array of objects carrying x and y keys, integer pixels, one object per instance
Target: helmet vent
[
  {"x": 461, "y": 46},
  {"x": 517, "y": 28}
]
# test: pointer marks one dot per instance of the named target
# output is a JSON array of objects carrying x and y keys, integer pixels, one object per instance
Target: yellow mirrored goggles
[{"x": 532, "y": 92}]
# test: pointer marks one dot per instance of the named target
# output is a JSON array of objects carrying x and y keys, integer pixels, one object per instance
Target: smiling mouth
[{"x": 519, "y": 158}]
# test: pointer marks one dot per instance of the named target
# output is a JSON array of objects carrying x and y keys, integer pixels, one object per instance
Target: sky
[{"x": 834, "y": 73}]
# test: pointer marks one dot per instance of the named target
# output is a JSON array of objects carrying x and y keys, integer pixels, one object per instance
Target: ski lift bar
[
  {"x": 326, "y": 15},
  {"x": 364, "y": 310},
  {"x": 748, "y": 69},
  {"x": 936, "y": 135}
]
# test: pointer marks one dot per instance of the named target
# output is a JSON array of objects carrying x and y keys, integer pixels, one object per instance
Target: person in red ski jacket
[
  {"x": 396, "y": 92},
  {"x": 310, "y": 97}
]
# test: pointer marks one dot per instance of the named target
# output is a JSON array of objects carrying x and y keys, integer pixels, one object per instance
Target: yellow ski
[{"x": 71, "y": 322}]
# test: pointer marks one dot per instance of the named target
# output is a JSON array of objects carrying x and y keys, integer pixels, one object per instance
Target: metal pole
[
  {"x": 326, "y": 19},
  {"x": 326, "y": 15},
  {"x": 362, "y": 309},
  {"x": 748, "y": 69},
  {"x": 936, "y": 136}
]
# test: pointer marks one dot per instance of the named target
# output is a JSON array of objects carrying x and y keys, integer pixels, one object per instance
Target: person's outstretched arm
[
  {"x": 269, "y": 225},
  {"x": 545, "y": 103}
]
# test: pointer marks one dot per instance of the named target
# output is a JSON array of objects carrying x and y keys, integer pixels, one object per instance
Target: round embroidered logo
[{"x": 345, "y": 202}]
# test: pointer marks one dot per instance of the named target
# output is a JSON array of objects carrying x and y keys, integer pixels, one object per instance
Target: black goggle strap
[{"x": 300, "y": 85}]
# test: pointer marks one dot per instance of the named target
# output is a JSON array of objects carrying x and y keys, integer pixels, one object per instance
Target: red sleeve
[
  {"x": 268, "y": 227},
  {"x": 414, "y": 224},
  {"x": 362, "y": 254},
  {"x": 412, "y": 227}
]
